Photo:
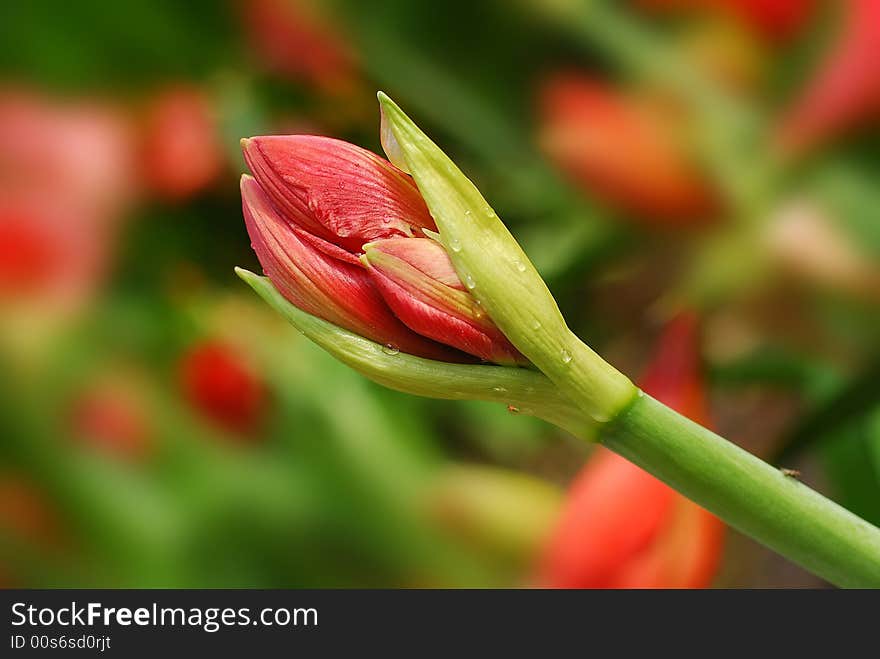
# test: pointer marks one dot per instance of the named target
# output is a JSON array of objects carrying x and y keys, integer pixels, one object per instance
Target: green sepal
[
  {"x": 525, "y": 391},
  {"x": 500, "y": 275}
]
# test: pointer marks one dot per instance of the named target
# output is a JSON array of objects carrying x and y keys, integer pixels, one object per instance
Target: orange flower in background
[
  {"x": 220, "y": 384},
  {"x": 293, "y": 40},
  {"x": 622, "y": 150},
  {"x": 182, "y": 154},
  {"x": 845, "y": 90},
  {"x": 620, "y": 526}
]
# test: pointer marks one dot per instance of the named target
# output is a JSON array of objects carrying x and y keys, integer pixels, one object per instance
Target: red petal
[
  {"x": 330, "y": 288},
  {"x": 402, "y": 270},
  {"x": 336, "y": 190}
]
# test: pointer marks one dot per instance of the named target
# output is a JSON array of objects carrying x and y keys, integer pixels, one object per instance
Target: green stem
[{"x": 747, "y": 493}]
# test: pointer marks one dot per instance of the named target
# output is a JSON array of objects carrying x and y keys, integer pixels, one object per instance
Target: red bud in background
[
  {"x": 622, "y": 151},
  {"x": 51, "y": 256},
  {"x": 293, "y": 40},
  {"x": 846, "y": 89},
  {"x": 182, "y": 154},
  {"x": 775, "y": 20},
  {"x": 623, "y": 528},
  {"x": 79, "y": 153},
  {"x": 66, "y": 176},
  {"x": 221, "y": 385},
  {"x": 417, "y": 280},
  {"x": 113, "y": 420}
]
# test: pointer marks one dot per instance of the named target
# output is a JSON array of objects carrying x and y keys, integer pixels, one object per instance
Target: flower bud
[
  {"x": 417, "y": 280},
  {"x": 323, "y": 279}
]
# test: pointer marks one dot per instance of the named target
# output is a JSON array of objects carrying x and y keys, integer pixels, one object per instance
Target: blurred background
[{"x": 711, "y": 160}]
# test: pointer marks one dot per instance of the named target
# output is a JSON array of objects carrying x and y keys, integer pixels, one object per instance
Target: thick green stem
[{"x": 747, "y": 493}]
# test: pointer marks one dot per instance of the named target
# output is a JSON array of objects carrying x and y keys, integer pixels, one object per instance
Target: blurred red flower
[
  {"x": 293, "y": 40},
  {"x": 845, "y": 90},
  {"x": 81, "y": 152},
  {"x": 66, "y": 175},
  {"x": 48, "y": 255},
  {"x": 221, "y": 384},
  {"x": 776, "y": 20},
  {"x": 182, "y": 154},
  {"x": 623, "y": 528},
  {"x": 113, "y": 420},
  {"x": 623, "y": 150}
]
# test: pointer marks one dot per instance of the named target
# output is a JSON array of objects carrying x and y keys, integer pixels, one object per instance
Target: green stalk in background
[{"x": 747, "y": 493}]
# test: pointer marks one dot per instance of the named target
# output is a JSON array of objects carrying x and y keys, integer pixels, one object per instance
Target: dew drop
[
  {"x": 566, "y": 356},
  {"x": 390, "y": 349},
  {"x": 513, "y": 409},
  {"x": 499, "y": 390},
  {"x": 519, "y": 265},
  {"x": 469, "y": 282},
  {"x": 490, "y": 212},
  {"x": 386, "y": 220},
  {"x": 536, "y": 325},
  {"x": 467, "y": 213},
  {"x": 342, "y": 233},
  {"x": 455, "y": 245}
]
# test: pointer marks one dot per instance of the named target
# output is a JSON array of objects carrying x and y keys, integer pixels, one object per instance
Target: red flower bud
[
  {"x": 417, "y": 280},
  {"x": 623, "y": 528},
  {"x": 846, "y": 89},
  {"x": 323, "y": 279},
  {"x": 621, "y": 151},
  {"x": 335, "y": 190}
]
